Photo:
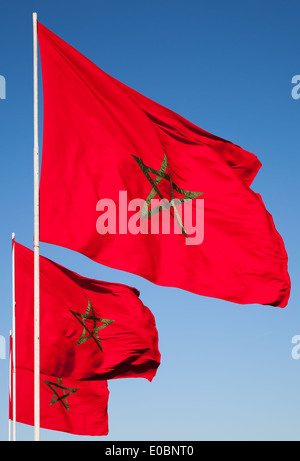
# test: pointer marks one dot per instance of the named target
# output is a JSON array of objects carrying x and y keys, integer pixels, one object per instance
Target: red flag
[
  {"x": 67, "y": 405},
  {"x": 88, "y": 329},
  {"x": 76, "y": 407},
  {"x": 109, "y": 151}
]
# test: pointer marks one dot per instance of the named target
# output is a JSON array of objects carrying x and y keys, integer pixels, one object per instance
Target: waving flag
[
  {"x": 135, "y": 186},
  {"x": 67, "y": 405},
  {"x": 88, "y": 329}
]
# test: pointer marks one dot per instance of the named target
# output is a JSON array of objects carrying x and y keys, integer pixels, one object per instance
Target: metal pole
[
  {"x": 9, "y": 387},
  {"x": 13, "y": 339},
  {"x": 36, "y": 239}
]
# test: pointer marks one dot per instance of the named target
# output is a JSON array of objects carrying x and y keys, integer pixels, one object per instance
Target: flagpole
[
  {"x": 36, "y": 239},
  {"x": 9, "y": 390},
  {"x": 13, "y": 339}
]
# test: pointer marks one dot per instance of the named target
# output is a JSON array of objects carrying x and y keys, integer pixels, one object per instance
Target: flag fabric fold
[
  {"x": 104, "y": 140},
  {"x": 89, "y": 330}
]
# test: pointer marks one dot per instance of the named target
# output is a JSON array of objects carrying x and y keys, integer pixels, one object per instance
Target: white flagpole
[
  {"x": 9, "y": 388},
  {"x": 36, "y": 239},
  {"x": 13, "y": 338}
]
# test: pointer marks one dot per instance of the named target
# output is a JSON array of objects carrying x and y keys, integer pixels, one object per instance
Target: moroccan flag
[
  {"x": 88, "y": 329},
  {"x": 135, "y": 186},
  {"x": 67, "y": 405}
]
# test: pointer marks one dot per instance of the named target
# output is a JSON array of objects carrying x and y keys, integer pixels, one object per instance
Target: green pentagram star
[
  {"x": 91, "y": 333},
  {"x": 161, "y": 174},
  {"x": 60, "y": 398}
]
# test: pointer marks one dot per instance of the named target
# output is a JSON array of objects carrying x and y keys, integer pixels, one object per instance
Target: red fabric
[
  {"x": 127, "y": 347},
  {"x": 67, "y": 405},
  {"x": 93, "y": 126}
]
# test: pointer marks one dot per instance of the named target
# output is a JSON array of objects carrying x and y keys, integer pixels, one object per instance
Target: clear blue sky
[{"x": 227, "y": 372}]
